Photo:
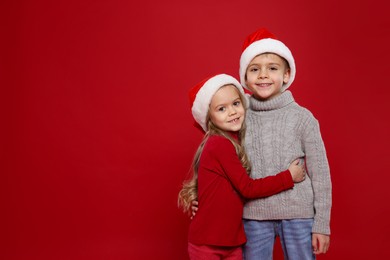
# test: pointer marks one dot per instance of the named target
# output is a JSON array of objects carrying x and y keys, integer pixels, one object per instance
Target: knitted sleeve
[
  {"x": 242, "y": 183},
  {"x": 319, "y": 173}
]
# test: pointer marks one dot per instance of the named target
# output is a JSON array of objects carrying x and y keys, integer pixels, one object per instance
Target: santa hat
[
  {"x": 202, "y": 93},
  {"x": 262, "y": 41}
]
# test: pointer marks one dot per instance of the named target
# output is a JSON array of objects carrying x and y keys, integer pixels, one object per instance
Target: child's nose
[
  {"x": 263, "y": 74},
  {"x": 232, "y": 111}
]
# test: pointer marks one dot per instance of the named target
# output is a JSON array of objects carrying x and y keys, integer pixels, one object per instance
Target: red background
[{"x": 97, "y": 133}]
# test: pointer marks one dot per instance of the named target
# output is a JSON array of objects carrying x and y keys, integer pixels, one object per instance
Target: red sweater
[{"x": 223, "y": 184}]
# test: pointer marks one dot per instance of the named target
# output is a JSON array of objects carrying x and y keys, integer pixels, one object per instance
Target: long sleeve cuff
[{"x": 287, "y": 179}]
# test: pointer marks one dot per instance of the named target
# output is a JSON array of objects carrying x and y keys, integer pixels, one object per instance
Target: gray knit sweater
[{"x": 278, "y": 132}]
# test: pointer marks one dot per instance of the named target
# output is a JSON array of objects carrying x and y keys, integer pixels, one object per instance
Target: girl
[{"x": 220, "y": 180}]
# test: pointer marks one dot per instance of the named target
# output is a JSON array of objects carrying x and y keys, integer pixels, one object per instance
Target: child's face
[
  {"x": 226, "y": 109},
  {"x": 266, "y": 75}
]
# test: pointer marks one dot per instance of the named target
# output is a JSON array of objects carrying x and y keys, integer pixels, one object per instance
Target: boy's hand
[
  {"x": 320, "y": 243},
  {"x": 194, "y": 208}
]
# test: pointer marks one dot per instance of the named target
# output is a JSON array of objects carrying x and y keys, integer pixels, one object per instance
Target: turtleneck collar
[{"x": 272, "y": 104}]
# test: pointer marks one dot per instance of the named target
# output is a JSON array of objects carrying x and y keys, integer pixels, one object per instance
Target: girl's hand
[
  {"x": 194, "y": 208},
  {"x": 297, "y": 171}
]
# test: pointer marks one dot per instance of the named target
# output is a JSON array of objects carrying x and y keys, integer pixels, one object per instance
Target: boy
[{"x": 278, "y": 131}]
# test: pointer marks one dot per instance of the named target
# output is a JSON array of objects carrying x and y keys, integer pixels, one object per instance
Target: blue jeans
[{"x": 295, "y": 237}]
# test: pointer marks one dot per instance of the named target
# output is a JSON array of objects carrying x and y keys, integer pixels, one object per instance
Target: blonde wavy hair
[{"x": 189, "y": 191}]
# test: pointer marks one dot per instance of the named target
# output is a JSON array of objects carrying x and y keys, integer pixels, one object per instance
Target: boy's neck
[
  {"x": 268, "y": 98},
  {"x": 277, "y": 102}
]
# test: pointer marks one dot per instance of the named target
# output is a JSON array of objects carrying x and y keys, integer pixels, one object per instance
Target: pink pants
[{"x": 204, "y": 252}]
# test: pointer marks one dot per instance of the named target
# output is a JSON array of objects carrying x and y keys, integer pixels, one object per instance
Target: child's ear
[{"x": 286, "y": 76}]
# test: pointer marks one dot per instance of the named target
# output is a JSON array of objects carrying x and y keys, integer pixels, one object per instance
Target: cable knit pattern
[{"x": 278, "y": 132}]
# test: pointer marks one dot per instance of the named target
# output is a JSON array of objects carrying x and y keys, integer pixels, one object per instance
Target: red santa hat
[
  {"x": 263, "y": 41},
  {"x": 202, "y": 93}
]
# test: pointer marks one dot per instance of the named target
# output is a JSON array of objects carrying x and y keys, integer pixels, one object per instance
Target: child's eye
[
  {"x": 221, "y": 109},
  {"x": 254, "y": 69},
  {"x": 237, "y": 103},
  {"x": 273, "y": 68}
]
